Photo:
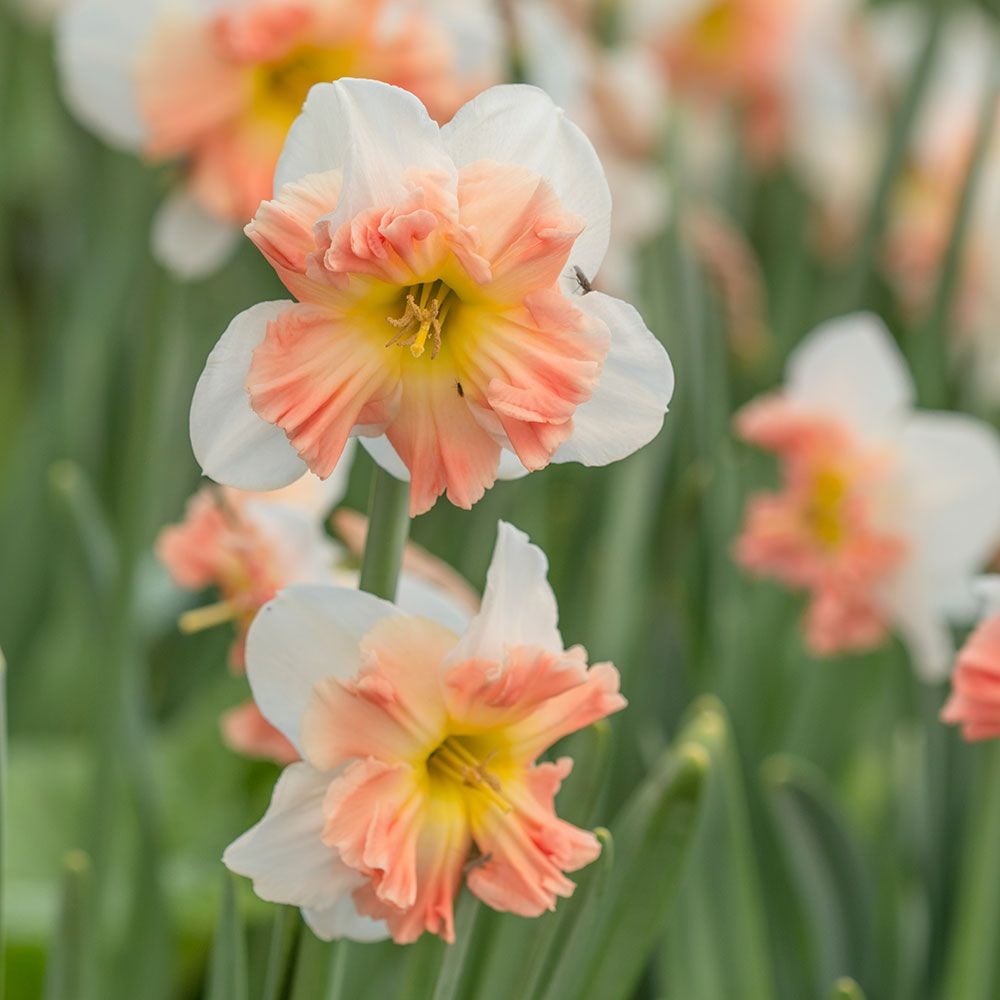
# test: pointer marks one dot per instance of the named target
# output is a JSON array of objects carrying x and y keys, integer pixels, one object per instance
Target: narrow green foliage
[
  {"x": 69, "y": 975},
  {"x": 449, "y": 984},
  {"x": 828, "y": 867},
  {"x": 846, "y": 989},
  {"x": 227, "y": 970},
  {"x": 652, "y": 836}
]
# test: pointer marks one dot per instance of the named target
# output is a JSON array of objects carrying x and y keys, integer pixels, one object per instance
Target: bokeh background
[{"x": 842, "y": 831}]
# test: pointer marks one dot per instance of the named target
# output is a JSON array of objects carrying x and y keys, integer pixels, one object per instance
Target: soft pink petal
[
  {"x": 316, "y": 378},
  {"x": 247, "y": 732}
]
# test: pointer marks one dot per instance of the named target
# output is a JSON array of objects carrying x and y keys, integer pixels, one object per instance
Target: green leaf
[
  {"x": 457, "y": 957},
  {"x": 227, "y": 971},
  {"x": 69, "y": 975},
  {"x": 846, "y": 989},
  {"x": 717, "y": 942},
  {"x": 651, "y": 835},
  {"x": 828, "y": 866},
  {"x": 972, "y": 968}
]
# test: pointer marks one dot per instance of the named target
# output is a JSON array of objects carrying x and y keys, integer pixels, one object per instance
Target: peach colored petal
[
  {"x": 186, "y": 89},
  {"x": 247, "y": 732},
  {"x": 526, "y": 851},
  {"x": 394, "y": 705},
  {"x": 316, "y": 379},
  {"x": 441, "y": 443},
  {"x": 263, "y": 33},
  {"x": 524, "y": 232},
  {"x": 282, "y": 230},
  {"x": 536, "y": 696},
  {"x": 974, "y": 703},
  {"x": 441, "y": 852}
]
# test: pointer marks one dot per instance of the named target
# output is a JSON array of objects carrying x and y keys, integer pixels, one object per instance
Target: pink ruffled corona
[
  {"x": 820, "y": 533},
  {"x": 975, "y": 698},
  {"x": 437, "y": 316},
  {"x": 420, "y": 753},
  {"x": 222, "y": 91}
]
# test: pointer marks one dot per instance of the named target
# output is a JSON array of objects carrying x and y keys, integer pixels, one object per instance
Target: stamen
[
  {"x": 455, "y": 761},
  {"x": 426, "y": 316},
  {"x": 209, "y": 616}
]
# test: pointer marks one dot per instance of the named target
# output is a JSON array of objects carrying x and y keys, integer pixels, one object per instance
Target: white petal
[
  {"x": 342, "y": 920},
  {"x": 231, "y": 443},
  {"x": 284, "y": 853},
  {"x": 518, "y": 607},
  {"x": 188, "y": 241},
  {"x": 520, "y": 124},
  {"x": 385, "y": 456},
  {"x": 306, "y": 634},
  {"x": 627, "y": 409},
  {"x": 415, "y": 597},
  {"x": 510, "y": 466},
  {"x": 312, "y": 495},
  {"x": 950, "y": 481},
  {"x": 851, "y": 368},
  {"x": 305, "y": 552},
  {"x": 98, "y": 43},
  {"x": 921, "y": 625},
  {"x": 375, "y": 133},
  {"x": 987, "y": 591}
]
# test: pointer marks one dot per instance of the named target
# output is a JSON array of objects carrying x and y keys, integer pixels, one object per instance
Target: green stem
[
  {"x": 972, "y": 962},
  {"x": 899, "y": 139},
  {"x": 388, "y": 528},
  {"x": 3, "y": 810}
]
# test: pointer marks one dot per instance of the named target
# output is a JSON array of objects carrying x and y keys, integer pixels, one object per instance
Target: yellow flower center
[
  {"x": 424, "y": 311},
  {"x": 715, "y": 30},
  {"x": 280, "y": 87},
  {"x": 461, "y": 764},
  {"x": 824, "y": 511}
]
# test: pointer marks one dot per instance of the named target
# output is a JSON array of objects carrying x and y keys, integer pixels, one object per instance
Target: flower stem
[{"x": 388, "y": 527}]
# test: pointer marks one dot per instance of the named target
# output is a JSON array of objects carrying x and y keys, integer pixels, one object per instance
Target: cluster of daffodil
[{"x": 442, "y": 238}]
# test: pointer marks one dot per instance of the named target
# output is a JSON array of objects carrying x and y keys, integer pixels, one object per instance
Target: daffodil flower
[
  {"x": 420, "y": 754},
  {"x": 886, "y": 511},
  {"x": 214, "y": 86},
  {"x": 440, "y": 315}
]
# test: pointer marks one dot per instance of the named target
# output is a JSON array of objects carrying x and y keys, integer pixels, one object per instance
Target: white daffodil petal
[
  {"x": 510, "y": 466},
  {"x": 628, "y": 406},
  {"x": 951, "y": 479},
  {"x": 415, "y": 597},
  {"x": 519, "y": 608},
  {"x": 851, "y": 368},
  {"x": 98, "y": 43},
  {"x": 190, "y": 242},
  {"x": 374, "y": 133},
  {"x": 305, "y": 635},
  {"x": 231, "y": 443},
  {"x": 342, "y": 920},
  {"x": 284, "y": 853},
  {"x": 921, "y": 626},
  {"x": 520, "y": 124},
  {"x": 987, "y": 591},
  {"x": 385, "y": 456}
]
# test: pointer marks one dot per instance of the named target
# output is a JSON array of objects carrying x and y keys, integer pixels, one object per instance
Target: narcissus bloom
[
  {"x": 216, "y": 85},
  {"x": 886, "y": 512},
  {"x": 975, "y": 684},
  {"x": 440, "y": 317},
  {"x": 419, "y": 752},
  {"x": 248, "y": 546}
]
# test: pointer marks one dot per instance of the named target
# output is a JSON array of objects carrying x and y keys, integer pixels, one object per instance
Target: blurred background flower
[{"x": 780, "y": 824}]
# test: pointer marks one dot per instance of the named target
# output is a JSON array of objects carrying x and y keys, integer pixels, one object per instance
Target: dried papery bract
[
  {"x": 438, "y": 314},
  {"x": 420, "y": 752}
]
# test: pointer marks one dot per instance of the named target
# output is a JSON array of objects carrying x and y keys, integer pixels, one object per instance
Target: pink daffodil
[
  {"x": 216, "y": 85},
  {"x": 419, "y": 754},
  {"x": 248, "y": 546},
  {"x": 975, "y": 684},
  {"x": 439, "y": 314},
  {"x": 886, "y": 512}
]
